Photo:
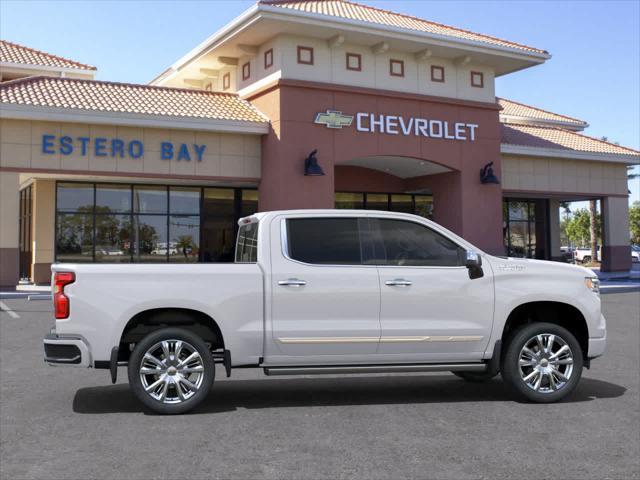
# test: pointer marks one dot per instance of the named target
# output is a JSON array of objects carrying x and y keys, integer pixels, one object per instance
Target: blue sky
[{"x": 594, "y": 73}]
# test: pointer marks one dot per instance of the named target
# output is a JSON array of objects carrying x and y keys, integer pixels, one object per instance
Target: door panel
[
  {"x": 328, "y": 307},
  {"x": 430, "y": 308}
]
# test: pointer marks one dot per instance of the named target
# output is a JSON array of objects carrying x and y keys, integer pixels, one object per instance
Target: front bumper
[
  {"x": 68, "y": 350},
  {"x": 597, "y": 346}
]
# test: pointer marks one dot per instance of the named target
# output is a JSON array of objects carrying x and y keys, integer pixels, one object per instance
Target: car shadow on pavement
[{"x": 229, "y": 395}]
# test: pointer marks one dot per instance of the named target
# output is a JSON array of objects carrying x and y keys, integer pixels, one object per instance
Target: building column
[
  {"x": 616, "y": 248},
  {"x": 554, "y": 231},
  {"x": 44, "y": 201},
  {"x": 9, "y": 236}
]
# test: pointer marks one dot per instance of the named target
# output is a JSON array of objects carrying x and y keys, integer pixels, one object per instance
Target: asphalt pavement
[{"x": 72, "y": 423}]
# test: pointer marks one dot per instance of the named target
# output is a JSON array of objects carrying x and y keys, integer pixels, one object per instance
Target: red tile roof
[
  {"x": 127, "y": 98},
  {"x": 354, "y": 11},
  {"x": 517, "y": 109},
  {"x": 14, "y": 53},
  {"x": 559, "y": 139}
]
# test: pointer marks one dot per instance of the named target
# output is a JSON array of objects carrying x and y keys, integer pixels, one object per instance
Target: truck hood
[{"x": 524, "y": 265}]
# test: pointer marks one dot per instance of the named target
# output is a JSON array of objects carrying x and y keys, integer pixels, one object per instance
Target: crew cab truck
[{"x": 330, "y": 292}]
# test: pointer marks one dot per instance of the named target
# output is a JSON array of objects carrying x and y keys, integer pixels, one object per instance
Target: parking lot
[{"x": 72, "y": 423}]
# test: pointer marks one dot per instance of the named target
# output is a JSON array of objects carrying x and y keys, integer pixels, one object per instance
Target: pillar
[
  {"x": 9, "y": 222},
  {"x": 554, "y": 231},
  {"x": 616, "y": 249},
  {"x": 44, "y": 200}
]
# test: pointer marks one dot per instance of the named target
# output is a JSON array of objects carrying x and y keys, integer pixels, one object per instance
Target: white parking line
[{"x": 4, "y": 308}]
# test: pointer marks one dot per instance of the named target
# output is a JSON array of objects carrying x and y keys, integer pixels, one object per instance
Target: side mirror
[{"x": 473, "y": 262}]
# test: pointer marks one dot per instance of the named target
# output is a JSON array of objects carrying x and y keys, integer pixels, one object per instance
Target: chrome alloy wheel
[
  {"x": 171, "y": 371},
  {"x": 546, "y": 363}
]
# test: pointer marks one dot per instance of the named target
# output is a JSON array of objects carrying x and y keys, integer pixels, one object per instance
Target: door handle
[
  {"x": 292, "y": 282},
  {"x": 398, "y": 282}
]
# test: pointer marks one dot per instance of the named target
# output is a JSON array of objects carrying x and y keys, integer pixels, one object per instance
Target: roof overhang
[
  {"x": 573, "y": 126},
  {"x": 74, "y": 115},
  {"x": 262, "y": 22},
  {"x": 568, "y": 154},
  {"x": 9, "y": 66}
]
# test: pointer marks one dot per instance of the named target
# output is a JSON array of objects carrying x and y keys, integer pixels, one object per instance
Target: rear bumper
[{"x": 70, "y": 351}]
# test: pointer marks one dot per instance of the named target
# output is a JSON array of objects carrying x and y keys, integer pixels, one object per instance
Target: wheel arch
[
  {"x": 152, "y": 319},
  {"x": 559, "y": 313}
]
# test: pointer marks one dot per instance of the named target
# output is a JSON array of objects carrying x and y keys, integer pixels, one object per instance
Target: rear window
[
  {"x": 247, "y": 245},
  {"x": 325, "y": 241}
]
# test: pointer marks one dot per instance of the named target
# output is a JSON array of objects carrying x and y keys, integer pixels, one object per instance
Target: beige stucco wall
[
  {"x": 226, "y": 154},
  {"x": 533, "y": 174},
  {"x": 616, "y": 220},
  {"x": 9, "y": 209},
  {"x": 43, "y": 223},
  {"x": 330, "y": 67}
]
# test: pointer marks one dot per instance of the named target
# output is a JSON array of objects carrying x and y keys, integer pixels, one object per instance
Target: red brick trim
[
  {"x": 305, "y": 49},
  {"x": 268, "y": 58},
  {"x": 357, "y": 56},
  {"x": 163, "y": 176},
  {"x": 474, "y": 76},
  {"x": 392, "y": 63},
  {"x": 434, "y": 76}
]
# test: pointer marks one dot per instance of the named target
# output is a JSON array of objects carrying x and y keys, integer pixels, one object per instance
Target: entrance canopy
[{"x": 401, "y": 167}]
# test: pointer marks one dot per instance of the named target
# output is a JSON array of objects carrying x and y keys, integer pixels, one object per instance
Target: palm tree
[{"x": 593, "y": 230}]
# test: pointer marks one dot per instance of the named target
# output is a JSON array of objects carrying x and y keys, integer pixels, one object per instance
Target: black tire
[
  {"x": 511, "y": 369},
  {"x": 476, "y": 377},
  {"x": 586, "y": 259},
  {"x": 205, "y": 380}
]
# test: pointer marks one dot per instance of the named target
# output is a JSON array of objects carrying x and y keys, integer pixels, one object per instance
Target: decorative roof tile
[
  {"x": 354, "y": 11},
  {"x": 559, "y": 139},
  {"x": 14, "y": 53},
  {"x": 127, "y": 98},
  {"x": 516, "y": 109}
]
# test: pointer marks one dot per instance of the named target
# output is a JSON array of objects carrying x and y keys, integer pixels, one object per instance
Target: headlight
[{"x": 593, "y": 284}]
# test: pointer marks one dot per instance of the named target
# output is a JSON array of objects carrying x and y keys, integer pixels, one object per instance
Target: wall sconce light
[
  {"x": 487, "y": 176},
  {"x": 311, "y": 167}
]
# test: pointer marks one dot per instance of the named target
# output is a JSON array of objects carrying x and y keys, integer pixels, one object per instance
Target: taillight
[{"x": 60, "y": 300}]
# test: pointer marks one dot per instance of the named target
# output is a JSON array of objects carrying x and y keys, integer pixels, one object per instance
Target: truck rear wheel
[
  {"x": 543, "y": 362},
  {"x": 171, "y": 370}
]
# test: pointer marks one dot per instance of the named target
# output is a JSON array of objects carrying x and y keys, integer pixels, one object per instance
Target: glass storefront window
[
  {"x": 184, "y": 200},
  {"x": 148, "y": 223},
  {"x": 349, "y": 200},
  {"x": 184, "y": 234},
  {"x": 113, "y": 198},
  {"x": 521, "y": 229},
  {"x": 149, "y": 199},
  {"x": 74, "y": 237},
  {"x": 424, "y": 206},
  {"x": 402, "y": 203},
  {"x": 218, "y": 225},
  {"x": 73, "y": 196},
  {"x": 377, "y": 201},
  {"x": 113, "y": 238},
  {"x": 249, "y": 203}
]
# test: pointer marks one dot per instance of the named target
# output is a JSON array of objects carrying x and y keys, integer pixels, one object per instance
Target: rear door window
[
  {"x": 247, "y": 245},
  {"x": 328, "y": 241}
]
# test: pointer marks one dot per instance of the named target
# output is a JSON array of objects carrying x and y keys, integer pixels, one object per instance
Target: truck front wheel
[
  {"x": 171, "y": 370},
  {"x": 543, "y": 362}
]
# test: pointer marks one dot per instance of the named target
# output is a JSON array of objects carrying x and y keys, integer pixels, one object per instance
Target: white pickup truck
[{"x": 330, "y": 292}]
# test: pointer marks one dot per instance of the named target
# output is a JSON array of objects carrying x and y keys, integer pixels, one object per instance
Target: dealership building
[{"x": 401, "y": 113}]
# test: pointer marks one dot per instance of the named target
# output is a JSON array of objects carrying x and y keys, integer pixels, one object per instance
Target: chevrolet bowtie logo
[{"x": 334, "y": 119}]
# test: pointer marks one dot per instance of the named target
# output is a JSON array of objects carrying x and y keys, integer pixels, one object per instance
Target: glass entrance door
[
  {"x": 526, "y": 230},
  {"x": 26, "y": 212}
]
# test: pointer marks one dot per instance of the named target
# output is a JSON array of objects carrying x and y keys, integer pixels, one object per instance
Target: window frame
[
  {"x": 364, "y": 230},
  {"x": 439, "y": 68},
  {"x": 378, "y": 242},
  {"x": 357, "y": 56},
  {"x": 393, "y": 61},
  {"x": 226, "y": 81},
  {"x": 302, "y": 48},
  {"x": 479, "y": 75},
  {"x": 268, "y": 58},
  {"x": 246, "y": 71}
]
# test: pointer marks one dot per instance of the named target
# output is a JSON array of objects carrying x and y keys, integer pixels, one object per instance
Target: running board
[{"x": 398, "y": 368}]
